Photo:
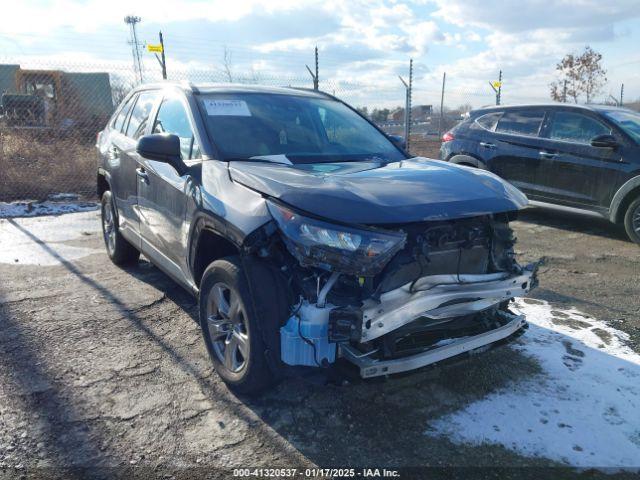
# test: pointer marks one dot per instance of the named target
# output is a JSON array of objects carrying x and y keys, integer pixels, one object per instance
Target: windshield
[
  {"x": 627, "y": 120},
  {"x": 291, "y": 129}
]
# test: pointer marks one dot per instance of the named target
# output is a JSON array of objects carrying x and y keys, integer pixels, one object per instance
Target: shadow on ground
[{"x": 573, "y": 222}]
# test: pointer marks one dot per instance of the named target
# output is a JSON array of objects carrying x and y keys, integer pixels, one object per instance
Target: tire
[
  {"x": 120, "y": 251},
  {"x": 632, "y": 221},
  {"x": 232, "y": 331},
  {"x": 465, "y": 160}
]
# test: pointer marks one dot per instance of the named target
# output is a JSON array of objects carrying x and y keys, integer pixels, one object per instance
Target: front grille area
[{"x": 435, "y": 248}]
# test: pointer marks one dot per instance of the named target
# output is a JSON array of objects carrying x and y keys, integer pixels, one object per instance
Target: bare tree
[
  {"x": 253, "y": 75},
  {"x": 464, "y": 108},
  {"x": 380, "y": 114},
  {"x": 120, "y": 87},
  {"x": 227, "y": 64},
  {"x": 579, "y": 76},
  {"x": 363, "y": 110}
]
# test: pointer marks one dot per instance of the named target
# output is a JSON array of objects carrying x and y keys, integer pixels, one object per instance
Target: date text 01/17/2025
[{"x": 316, "y": 472}]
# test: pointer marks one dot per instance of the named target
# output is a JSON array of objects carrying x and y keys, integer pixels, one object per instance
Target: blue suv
[{"x": 584, "y": 157}]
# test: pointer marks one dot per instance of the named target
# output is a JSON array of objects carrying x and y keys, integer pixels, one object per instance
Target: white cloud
[
  {"x": 524, "y": 15},
  {"x": 89, "y": 15},
  {"x": 526, "y": 39},
  {"x": 364, "y": 41}
]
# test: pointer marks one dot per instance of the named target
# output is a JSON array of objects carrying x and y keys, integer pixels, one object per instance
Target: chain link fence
[{"x": 52, "y": 111}]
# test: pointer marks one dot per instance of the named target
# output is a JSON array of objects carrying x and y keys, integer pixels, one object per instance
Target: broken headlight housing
[{"x": 332, "y": 247}]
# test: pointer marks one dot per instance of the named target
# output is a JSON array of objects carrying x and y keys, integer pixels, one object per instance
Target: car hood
[{"x": 382, "y": 193}]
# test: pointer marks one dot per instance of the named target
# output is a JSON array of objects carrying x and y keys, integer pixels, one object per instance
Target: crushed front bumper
[
  {"x": 440, "y": 297},
  {"x": 437, "y": 298},
  {"x": 371, "y": 367}
]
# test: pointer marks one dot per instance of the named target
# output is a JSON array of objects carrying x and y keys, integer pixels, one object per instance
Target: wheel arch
[
  {"x": 629, "y": 191},
  {"x": 211, "y": 240},
  {"x": 467, "y": 159},
  {"x": 103, "y": 182}
]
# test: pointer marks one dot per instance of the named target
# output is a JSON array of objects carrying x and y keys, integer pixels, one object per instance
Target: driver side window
[
  {"x": 172, "y": 118},
  {"x": 576, "y": 127}
]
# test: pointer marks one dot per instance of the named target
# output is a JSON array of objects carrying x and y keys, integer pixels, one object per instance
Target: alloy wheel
[
  {"x": 635, "y": 220},
  {"x": 108, "y": 227},
  {"x": 227, "y": 326}
]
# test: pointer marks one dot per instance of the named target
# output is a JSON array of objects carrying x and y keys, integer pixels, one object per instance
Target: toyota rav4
[{"x": 309, "y": 237}]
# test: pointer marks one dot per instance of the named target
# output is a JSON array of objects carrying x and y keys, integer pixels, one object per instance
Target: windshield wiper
[
  {"x": 249, "y": 159},
  {"x": 278, "y": 159}
]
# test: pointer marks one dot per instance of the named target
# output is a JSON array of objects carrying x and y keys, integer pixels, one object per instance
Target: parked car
[
  {"x": 309, "y": 237},
  {"x": 583, "y": 157}
]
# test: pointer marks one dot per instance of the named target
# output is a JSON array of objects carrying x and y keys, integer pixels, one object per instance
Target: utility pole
[
  {"x": 407, "y": 105},
  {"x": 164, "y": 60},
  {"x": 444, "y": 79},
  {"x": 621, "y": 94},
  {"x": 497, "y": 88},
  {"x": 135, "y": 51},
  {"x": 159, "y": 48},
  {"x": 317, "y": 82},
  {"x": 315, "y": 76},
  {"x": 564, "y": 92}
]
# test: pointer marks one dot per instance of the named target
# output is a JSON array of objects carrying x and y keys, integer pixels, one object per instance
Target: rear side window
[
  {"x": 124, "y": 111},
  {"x": 521, "y": 122},
  {"x": 576, "y": 127},
  {"x": 487, "y": 121},
  {"x": 140, "y": 114}
]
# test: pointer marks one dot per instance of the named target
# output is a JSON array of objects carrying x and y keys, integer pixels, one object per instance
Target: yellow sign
[
  {"x": 154, "y": 48},
  {"x": 496, "y": 84}
]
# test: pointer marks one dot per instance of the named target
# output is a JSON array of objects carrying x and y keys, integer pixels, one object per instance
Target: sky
[{"x": 363, "y": 45}]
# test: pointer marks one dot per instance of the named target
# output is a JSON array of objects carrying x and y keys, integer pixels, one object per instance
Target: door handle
[
  {"x": 487, "y": 145},
  {"x": 142, "y": 174},
  {"x": 548, "y": 154}
]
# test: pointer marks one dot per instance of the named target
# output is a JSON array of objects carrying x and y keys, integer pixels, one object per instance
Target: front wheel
[
  {"x": 632, "y": 221},
  {"x": 230, "y": 328}
]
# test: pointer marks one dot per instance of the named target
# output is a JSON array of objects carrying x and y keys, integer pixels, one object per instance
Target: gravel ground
[
  {"x": 104, "y": 367},
  {"x": 590, "y": 264}
]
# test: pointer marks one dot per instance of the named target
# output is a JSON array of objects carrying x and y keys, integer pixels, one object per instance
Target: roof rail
[{"x": 190, "y": 85}]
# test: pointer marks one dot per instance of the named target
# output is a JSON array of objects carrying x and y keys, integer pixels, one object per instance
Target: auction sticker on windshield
[{"x": 236, "y": 108}]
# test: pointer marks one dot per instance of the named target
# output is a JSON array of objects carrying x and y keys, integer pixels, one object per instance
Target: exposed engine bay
[{"x": 432, "y": 291}]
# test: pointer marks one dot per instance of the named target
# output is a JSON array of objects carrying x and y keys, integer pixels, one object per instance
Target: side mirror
[
  {"x": 398, "y": 141},
  {"x": 162, "y": 147},
  {"x": 604, "y": 141}
]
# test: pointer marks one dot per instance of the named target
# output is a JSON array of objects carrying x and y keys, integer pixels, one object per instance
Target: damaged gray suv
[{"x": 310, "y": 238}]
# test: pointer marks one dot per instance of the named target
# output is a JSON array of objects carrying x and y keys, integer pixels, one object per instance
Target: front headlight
[{"x": 335, "y": 247}]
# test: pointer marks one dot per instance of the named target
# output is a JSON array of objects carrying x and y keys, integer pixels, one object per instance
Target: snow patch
[
  {"x": 41, "y": 240},
  {"x": 55, "y": 206},
  {"x": 584, "y": 410}
]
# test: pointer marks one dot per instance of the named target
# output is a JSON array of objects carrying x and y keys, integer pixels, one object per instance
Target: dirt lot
[
  {"x": 102, "y": 367},
  {"x": 425, "y": 147}
]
